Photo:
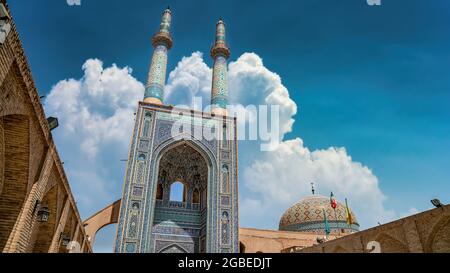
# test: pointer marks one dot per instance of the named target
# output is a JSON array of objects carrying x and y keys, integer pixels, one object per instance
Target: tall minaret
[
  {"x": 162, "y": 42},
  {"x": 220, "y": 53}
]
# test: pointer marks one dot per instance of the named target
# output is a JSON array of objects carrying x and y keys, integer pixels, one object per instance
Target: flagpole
[
  {"x": 326, "y": 225},
  {"x": 337, "y": 222},
  {"x": 349, "y": 216},
  {"x": 333, "y": 204}
]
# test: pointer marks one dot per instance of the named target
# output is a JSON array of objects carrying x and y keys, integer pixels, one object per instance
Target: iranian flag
[{"x": 333, "y": 201}]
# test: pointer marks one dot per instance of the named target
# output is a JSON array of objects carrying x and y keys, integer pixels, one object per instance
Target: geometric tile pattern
[
  {"x": 157, "y": 75},
  {"x": 219, "y": 92},
  {"x": 150, "y": 225},
  {"x": 307, "y": 215},
  {"x": 158, "y": 66},
  {"x": 220, "y": 54}
]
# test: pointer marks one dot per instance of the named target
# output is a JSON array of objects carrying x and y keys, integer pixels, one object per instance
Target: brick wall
[
  {"x": 2, "y": 155},
  {"x": 274, "y": 241},
  {"x": 30, "y": 167},
  {"x": 17, "y": 144},
  {"x": 43, "y": 232},
  {"x": 428, "y": 231}
]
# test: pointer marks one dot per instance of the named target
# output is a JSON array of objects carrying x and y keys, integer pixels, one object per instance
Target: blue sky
[{"x": 371, "y": 79}]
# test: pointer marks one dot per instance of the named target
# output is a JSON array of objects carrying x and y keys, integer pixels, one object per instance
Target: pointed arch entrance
[{"x": 181, "y": 224}]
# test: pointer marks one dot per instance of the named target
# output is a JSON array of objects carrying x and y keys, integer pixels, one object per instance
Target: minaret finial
[
  {"x": 162, "y": 42},
  {"x": 220, "y": 53},
  {"x": 312, "y": 188}
]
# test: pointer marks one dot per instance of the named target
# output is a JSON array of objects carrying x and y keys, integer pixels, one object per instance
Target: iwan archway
[{"x": 180, "y": 225}]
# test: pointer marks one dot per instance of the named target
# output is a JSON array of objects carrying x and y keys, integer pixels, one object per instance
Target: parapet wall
[{"x": 428, "y": 232}]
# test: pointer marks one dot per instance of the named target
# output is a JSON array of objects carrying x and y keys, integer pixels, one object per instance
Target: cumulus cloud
[
  {"x": 280, "y": 178},
  {"x": 251, "y": 83},
  {"x": 410, "y": 212},
  {"x": 99, "y": 107},
  {"x": 96, "y": 112},
  {"x": 190, "y": 78},
  {"x": 95, "y": 115}
]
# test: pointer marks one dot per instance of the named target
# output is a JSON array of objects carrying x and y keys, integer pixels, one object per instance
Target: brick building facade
[{"x": 32, "y": 177}]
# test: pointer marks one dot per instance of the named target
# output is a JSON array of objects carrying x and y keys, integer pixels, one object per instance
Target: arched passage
[
  {"x": 103, "y": 218},
  {"x": 14, "y": 172},
  {"x": 389, "y": 244},
  {"x": 104, "y": 239},
  {"x": 439, "y": 239},
  {"x": 181, "y": 224}
]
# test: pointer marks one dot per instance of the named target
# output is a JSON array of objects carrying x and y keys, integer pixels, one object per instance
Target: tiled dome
[{"x": 307, "y": 215}]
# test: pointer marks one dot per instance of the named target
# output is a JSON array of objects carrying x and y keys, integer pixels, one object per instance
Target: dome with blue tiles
[{"x": 307, "y": 215}]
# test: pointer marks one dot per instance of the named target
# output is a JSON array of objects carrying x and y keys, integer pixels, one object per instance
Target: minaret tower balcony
[
  {"x": 162, "y": 38},
  {"x": 162, "y": 42}
]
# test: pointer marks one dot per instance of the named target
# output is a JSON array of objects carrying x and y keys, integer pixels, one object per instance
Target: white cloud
[
  {"x": 96, "y": 113},
  {"x": 190, "y": 78},
  {"x": 410, "y": 212},
  {"x": 99, "y": 107},
  {"x": 280, "y": 178},
  {"x": 251, "y": 83}
]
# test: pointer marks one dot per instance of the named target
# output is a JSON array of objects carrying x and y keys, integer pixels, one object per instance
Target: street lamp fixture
[
  {"x": 65, "y": 240},
  {"x": 43, "y": 214},
  {"x": 437, "y": 203},
  {"x": 52, "y": 122}
]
